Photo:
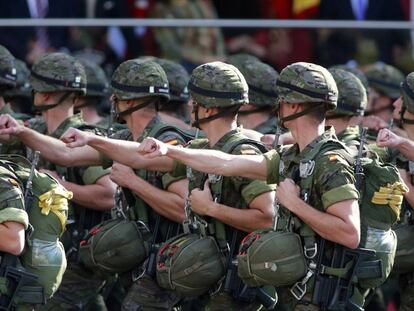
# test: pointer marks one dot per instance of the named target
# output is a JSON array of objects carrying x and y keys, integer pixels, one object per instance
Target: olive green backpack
[{"x": 44, "y": 255}]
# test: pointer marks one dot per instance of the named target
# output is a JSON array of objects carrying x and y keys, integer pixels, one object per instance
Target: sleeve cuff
[
  {"x": 168, "y": 179},
  {"x": 256, "y": 188},
  {"x": 93, "y": 173},
  {"x": 273, "y": 162},
  {"x": 342, "y": 193},
  {"x": 15, "y": 215}
]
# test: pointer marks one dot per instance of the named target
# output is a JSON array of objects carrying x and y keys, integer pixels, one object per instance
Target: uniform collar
[
  {"x": 73, "y": 121},
  {"x": 225, "y": 138}
]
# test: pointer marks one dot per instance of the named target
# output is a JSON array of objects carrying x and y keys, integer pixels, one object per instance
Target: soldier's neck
[
  {"x": 2, "y": 102},
  {"x": 305, "y": 131},
  {"x": 56, "y": 116},
  {"x": 251, "y": 121},
  {"x": 216, "y": 129},
  {"x": 339, "y": 124},
  {"x": 90, "y": 115},
  {"x": 138, "y": 122}
]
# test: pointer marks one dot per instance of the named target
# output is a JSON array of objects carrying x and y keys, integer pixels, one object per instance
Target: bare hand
[
  {"x": 201, "y": 200},
  {"x": 152, "y": 148},
  {"x": 75, "y": 138},
  {"x": 122, "y": 174},
  {"x": 387, "y": 138},
  {"x": 9, "y": 125},
  {"x": 287, "y": 192},
  {"x": 371, "y": 122}
]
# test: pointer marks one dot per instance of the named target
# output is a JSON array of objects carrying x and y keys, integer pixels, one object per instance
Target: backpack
[{"x": 44, "y": 254}]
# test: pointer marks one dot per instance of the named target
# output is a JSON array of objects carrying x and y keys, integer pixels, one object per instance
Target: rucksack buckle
[
  {"x": 310, "y": 252},
  {"x": 299, "y": 289},
  {"x": 306, "y": 168}
]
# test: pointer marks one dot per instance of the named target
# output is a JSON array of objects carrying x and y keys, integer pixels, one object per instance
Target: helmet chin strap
[
  {"x": 120, "y": 115},
  {"x": 50, "y": 106},
  {"x": 299, "y": 114},
  {"x": 221, "y": 113}
]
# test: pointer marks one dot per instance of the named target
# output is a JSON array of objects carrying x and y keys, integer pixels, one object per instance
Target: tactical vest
[
  {"x": 47, "y": 208},
  {"x": 125, "y": 242},
  {"x": 199, "y": 253}
]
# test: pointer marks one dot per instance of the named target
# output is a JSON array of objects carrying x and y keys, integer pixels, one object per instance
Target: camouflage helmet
[
  {"x": 178, "y": 79},
  {"x": 241, "y": 58},
  {"x": 23, "y": 87},
  {"x": 138, "y": 78},
  {"x": 58, "y": 72},
  {"x": 385, "y": 79},
  {"x": 97, "y": 85},
  {"x": 352, "y": 97},
  {"x": 307, "y": 83},
  {"x": 261, "y": 79},
  {"x": 5, "y": 51},
  {"x": 217, "y": 84},
  {"x": 407, "y": 91},
  {"x": 358, "y": 73},
  {"x": 8, "y": 72}
]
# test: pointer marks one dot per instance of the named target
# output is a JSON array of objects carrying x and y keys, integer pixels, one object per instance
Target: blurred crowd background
[{"x": 192, "y": 46}]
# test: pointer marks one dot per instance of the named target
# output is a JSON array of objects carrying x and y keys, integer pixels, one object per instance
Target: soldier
[
  {"x": 19, "y": 98},
  {"x": 352, "y": 100},
  {"x": 384, "y": 83},
  {"x": 57, "y": 80},
  {"x": 259, "y": 114},
  {"x": 177, "y": 107},
  {"x": 398, "y": 149},
  {"x": 28, "y": 196},
  {"x": 330, "y": 207},
  {"x": 138, "y": 88},
  {"x": 97, "y": 92}
]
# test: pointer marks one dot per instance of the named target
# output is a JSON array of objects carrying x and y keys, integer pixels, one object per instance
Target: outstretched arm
[
  {"x": 52, "y": 149},
  {"x": 387, "y": 138},
  {"x": 121, "y": 151},
  {"x": 208, "y": 161}
]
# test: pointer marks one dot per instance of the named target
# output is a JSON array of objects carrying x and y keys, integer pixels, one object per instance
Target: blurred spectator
[
  {"x": 189, "y": 46},
  {"x": 285, "y": 46},
  {"x": 388, "y": 44},
  {"x": 29, "y": 43}
]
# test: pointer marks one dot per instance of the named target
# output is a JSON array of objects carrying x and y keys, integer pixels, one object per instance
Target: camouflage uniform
[
  {"x": 235, "y": 192},
  {"x": 333, "y": 179},
  {"x": 261, "y": 79},
  {"x": 136, "y": 79}
]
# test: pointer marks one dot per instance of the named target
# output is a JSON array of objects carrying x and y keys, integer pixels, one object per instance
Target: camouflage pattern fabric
[
  {"x": 8, "y": 72},
  {"x": 407, "y": 91},
  {"x": 261, "y": 79},
  {"x": 23, "y": 87},
  {"x": 97, "y": 83},
  {"x": 385, "y": 79},
  {"x": 177, "y": 78},
  {"x": 57, "y": 72},
  {"x": 218, "y": 84},
  {"x": 137, "y": 78},
  {"x": 267, "y": 127},
  {"x": 352, "y": 96},
  {"x": 358, "y": 73},
  {"x": 307, "y": 83}
]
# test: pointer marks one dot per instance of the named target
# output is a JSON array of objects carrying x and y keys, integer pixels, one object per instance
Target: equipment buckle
[
  {"x": 311, "y": 252},
  {"x": 299, "y": 289},
  {"x": 306, "y": 168}
]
